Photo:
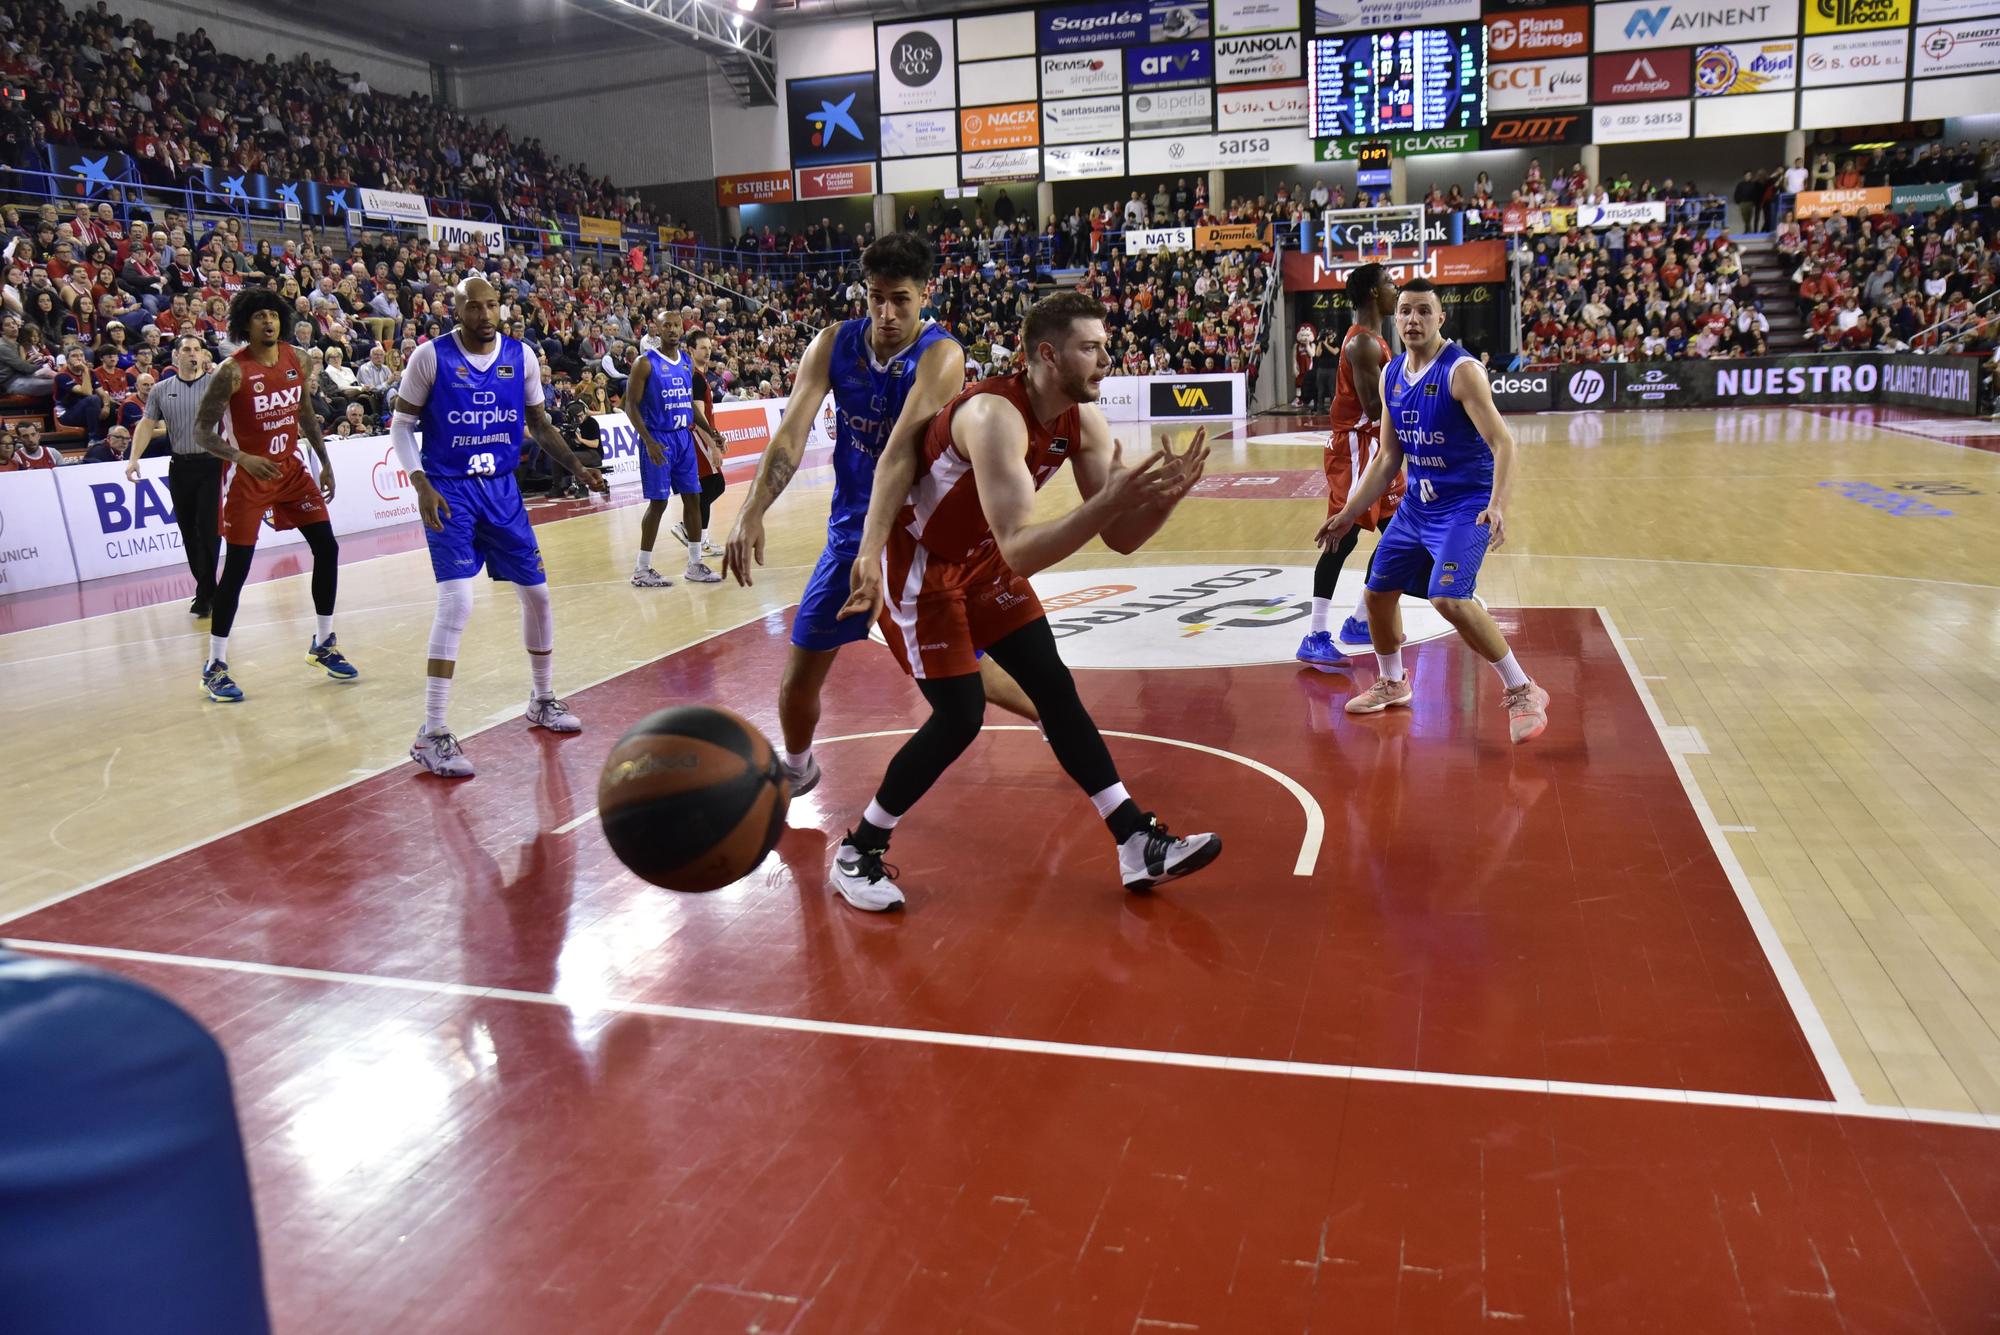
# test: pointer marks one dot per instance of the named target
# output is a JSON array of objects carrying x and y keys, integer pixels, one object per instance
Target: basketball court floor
[{"x": 1684, "y": 1017}]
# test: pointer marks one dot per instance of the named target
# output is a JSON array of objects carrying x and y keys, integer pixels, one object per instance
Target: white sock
[
  {"x": 218, "y": 649},
  {"x": 1361, "y": 610},
  {"x": 694, "y": 552},
  {"x": 541, "y": 675},
  {"x": 879, "y": 818},
  {"x": 437, "y": 697},
  {"x": 1320, "y": 606},
  {"x": 645, "y": 561},
  {"x": 1110, "y": 799},
  {"x": 1390, "y": 663},
  {"x": 1510, "y": 672},
  {"x": 325, "y": 628},
  {"x": 798, "y": 759}
]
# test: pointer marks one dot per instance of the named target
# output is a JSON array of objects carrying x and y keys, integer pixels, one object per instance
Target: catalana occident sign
[{"x": 1402, "y": 145}]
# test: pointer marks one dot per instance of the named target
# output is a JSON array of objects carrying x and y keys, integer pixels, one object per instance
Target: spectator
[{"x": 18, "y": 375}]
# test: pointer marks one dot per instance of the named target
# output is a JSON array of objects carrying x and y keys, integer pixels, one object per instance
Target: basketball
[{"x": 692, "y": 798}]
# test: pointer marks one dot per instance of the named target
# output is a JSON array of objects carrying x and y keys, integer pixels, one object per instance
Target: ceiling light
[{"x": 747, "y": 6}]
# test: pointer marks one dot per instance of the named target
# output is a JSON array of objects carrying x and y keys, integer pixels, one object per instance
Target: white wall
[
  {"x": 639, "y": 115},
  {"x": 754, "y": 139},
  {"x": 254, "y": 32}
]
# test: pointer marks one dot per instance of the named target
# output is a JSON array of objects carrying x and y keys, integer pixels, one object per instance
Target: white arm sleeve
[
  {"x": 419, "y": 374},
  {"x": 531, "y": 391},
  {"x": 403, "y": 435}
]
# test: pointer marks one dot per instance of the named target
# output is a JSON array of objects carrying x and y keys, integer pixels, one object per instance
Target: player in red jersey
[
  {"x": 951, "y": 538},
  {"x": 253, "y": 414},
  {"x": 1352, "y": 443}
]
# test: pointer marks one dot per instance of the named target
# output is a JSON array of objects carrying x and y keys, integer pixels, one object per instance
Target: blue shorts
[
  {"x": 678, "y": 476},
  {"x": 1430, "y": 555},
  {"x": 487, "y": 527},
  {"x": 816, "y": 625}
]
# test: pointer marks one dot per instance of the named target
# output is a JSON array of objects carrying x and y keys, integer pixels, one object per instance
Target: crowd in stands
[{"x": 91, "y": 79}]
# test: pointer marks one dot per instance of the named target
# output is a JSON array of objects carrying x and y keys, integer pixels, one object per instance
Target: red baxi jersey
[
  {"x": 1354, "y": 438},
  {"x": 264, "y": 410},
  {"x": 943, "y": 512}
]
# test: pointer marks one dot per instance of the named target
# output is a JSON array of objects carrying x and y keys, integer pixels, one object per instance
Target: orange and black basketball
[{"x": 692, "y": 798}]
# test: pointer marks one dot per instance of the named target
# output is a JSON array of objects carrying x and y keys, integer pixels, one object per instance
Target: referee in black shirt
[{"x": 194, "y": 476}]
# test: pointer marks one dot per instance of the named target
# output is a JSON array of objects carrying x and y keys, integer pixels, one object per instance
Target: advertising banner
[
  {"x": 837, "y": 182},
  {"x": 1147, "y": 240},
  {"x": 1079, "y": 161},
  {"x": 1942, "y": 384},
  {"x": 990, "y": 36},
  {"x": 1538, "y": 34},
  {"x": 1344, "y": 149},
  {"x": 919, "y": 134},
  {"x": 1084, "y": 120},
  {"x": 1848, "y": 15},
  {"x": 1091, "y": 27},
  {"x": 1118, "y": 397},
  {"x": 1082, "y": 74},
  {"x": 1240, "y": 16},
  {"x": 1177, "y": 20},
  {"x": 1746, "y": 67},
  {"x": 1526, "y": 391},
  {"x": 1634, "y": 25},
  {"x": 992, "y": 82},
  {"x": 34, "y": 541},
  {"x": 833, "y": 120},
  {"x": 1006, "y": 164},
  {"x": 1939, "y": 384},
  {"x": 1621, "y": 215},
  {"x": 1641, "y": 121},
  {"x": 1334, "y": 16},
  {"x": 393, "y": 204},
  {"x": 753, "y": 188},
  {"x": 1193, "y": 396},
  {"x": 1958, "y": 48},
  {"x": 1175, "y": 111},
  {"x": 1252, "y": 148},
  {"x": 1559, "y": 128},
  {"x": 984, "y": 129},
  {"x": 1232, "y": 236},
  {"x": 1826, "y": 203},
  {"x": 1530, "y": 85},
  {"x": 1265, "y": 58},
  {"x": 1174, "y": 65},
  {"x": 1861, "y": 58},
  {"x": 1472, "y": 262},
  {"x": 1266, "y": 107},
  {"x": 1644, "y": 76},
  {"x": 454, "y": 233},
  {"x": 1930, "y": 197},
  {"x": 608, "y": 230},
  {"x": 914, "y": 63},
  {"x": 1937, "y": 11}
]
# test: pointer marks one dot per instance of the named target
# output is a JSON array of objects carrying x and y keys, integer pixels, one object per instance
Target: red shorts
[
  {"x": 938, "y": 615},
  {"x": 1348, "y": 453},
  {"x": 292, "y": 499}
]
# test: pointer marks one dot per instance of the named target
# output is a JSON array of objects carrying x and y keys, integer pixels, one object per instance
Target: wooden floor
[{"x": 1812, "y": 601}]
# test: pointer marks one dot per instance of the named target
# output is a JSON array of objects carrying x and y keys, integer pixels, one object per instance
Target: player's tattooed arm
[
  {"x": 551, "y": 440},
  {"x": 214, "y": 406}
]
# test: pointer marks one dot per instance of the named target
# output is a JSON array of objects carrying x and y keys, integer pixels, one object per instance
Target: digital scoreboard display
[{"x": 1408, "y": 81}]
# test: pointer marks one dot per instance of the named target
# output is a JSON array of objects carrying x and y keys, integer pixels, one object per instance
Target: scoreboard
[{"x": 1407, "y": 81}]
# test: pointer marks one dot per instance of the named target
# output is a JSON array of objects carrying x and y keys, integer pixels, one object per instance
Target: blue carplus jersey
[
  {"x": 669, "y": 404},
  {"x": 473, "y": 421},
  {"x": 868, "y": 397},
  {"x": 1450, "y": 464}
]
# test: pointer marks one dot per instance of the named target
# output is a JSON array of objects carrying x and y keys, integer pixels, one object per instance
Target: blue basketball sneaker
[
  {"x": 1354, "y": 631},
  {"x": 1318, "y": 650},
  {"x": 215, "y": 683},
  {"x": 323, "y": 654}
]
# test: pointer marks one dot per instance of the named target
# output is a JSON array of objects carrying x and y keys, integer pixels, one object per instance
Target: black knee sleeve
[
  {"x": 958, "y": 707},
  {"x": 1030, "y": 657},
  {"x": 326, "y": 565},
  {"x": 229, "y": 588},
  {"x": 1326, "y": 572}
]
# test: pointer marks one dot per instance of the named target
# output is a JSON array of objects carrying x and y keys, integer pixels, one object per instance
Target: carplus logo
[{"x": 1647, "y": 23}]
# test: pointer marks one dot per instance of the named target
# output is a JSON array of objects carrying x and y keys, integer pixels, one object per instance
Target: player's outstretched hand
[
  {"x": 746, "y": 544},
  {"x": 864, "y": 583},
  {"x": 326, "y": 480},
  {"x": 1492, "y": 518},
  {"x": 1333, "y": 531},
  {"x": 593, "y": 480},
  {"x": 1186, "y": 467},
  {"x": 1137, "y": 486},
  {"x": 431, "y": 507},
  {"x": 258, "y": 467}
]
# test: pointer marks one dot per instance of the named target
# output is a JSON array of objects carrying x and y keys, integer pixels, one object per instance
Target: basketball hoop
[{"x": 1386, "y": 234}]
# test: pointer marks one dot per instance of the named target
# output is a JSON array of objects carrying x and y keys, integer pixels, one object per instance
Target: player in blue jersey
[
  {"x": 660, "y": 401},
  {"x": 475, "y": 393},
  {"x": 1438, "y": 417},
  {"x": 889, "y": 375}
]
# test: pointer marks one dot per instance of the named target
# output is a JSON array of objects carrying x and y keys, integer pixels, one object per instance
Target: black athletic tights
[
  {"x": 236, "y": 572},
  {"x": 1327, "y": 572},
  {"x": 711, "y": 487},
  {"x": 958, "y": 704}
]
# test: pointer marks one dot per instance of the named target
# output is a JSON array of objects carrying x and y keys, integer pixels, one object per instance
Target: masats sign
[{"x": 1529, "y": 36}]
